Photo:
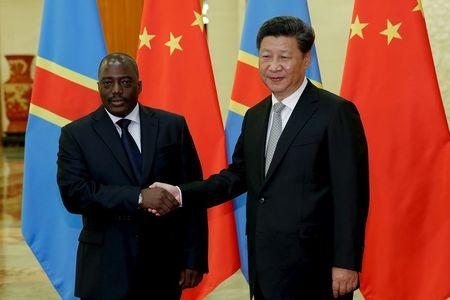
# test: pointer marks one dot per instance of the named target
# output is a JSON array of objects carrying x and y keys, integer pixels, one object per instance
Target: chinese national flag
[
  {"x": 389, "y": 74},
  {"x": 176, "y": 75}
]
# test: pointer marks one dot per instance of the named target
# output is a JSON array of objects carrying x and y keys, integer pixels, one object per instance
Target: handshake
[{"x": 161, "y": 198}]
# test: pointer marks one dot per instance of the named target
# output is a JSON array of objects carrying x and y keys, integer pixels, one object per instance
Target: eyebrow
[
  {"x": 121, "y": 77},
  {"x": 271, "y": 51}
]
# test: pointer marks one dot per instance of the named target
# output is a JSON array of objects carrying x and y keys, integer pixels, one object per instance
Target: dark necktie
[{"x": 131, "y": 149}]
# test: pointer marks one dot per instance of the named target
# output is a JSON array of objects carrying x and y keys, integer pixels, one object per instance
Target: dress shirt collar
[
  {"x": 133, "y": 116},
  {"x": 291, "y": 100}
]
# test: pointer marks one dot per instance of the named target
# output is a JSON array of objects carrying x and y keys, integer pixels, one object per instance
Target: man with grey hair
[{"x": 302, "y": 158}]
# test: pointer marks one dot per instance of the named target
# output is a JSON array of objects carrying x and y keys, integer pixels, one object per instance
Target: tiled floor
[{"x": 21, "y": 276}]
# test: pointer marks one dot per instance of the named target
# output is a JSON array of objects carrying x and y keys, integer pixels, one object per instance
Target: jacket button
[{"x": 261, "y": 200}]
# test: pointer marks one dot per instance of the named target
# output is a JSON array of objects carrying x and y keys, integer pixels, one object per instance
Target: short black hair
[
  {"x": 120, "y": 57},
  {"x": 288, "y": 26}
]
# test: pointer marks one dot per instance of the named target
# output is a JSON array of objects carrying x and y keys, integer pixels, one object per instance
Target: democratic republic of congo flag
[
  {"x": 71, "y": 47},
  {"x": 248, "y": 88}
]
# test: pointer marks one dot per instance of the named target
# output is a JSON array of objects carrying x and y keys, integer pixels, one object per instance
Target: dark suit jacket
[
  {"x": 308, "y": 214},
  {"x": 123, "y": 250}
]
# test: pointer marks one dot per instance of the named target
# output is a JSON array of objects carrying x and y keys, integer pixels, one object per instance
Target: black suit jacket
[
  {"x": 308, "y": 214},
  {"x": 124, "y": 251}
]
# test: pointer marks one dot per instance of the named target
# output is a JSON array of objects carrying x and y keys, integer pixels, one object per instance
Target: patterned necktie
[
  {"x": 274, "y": 134},
  {"x": 131, "y": 149}
]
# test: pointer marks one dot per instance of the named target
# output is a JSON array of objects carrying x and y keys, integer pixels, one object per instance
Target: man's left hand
[
  {"x": 190, "y": 278},
  {"x": 344, "y": 281}
]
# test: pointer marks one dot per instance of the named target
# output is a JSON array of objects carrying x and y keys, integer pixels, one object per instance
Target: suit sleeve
[
  {"x": 81, "y": 194},
  {"x": 196, "y": 230},
  {"x": 222, "y": 187},
  {"x": 349, "y": 172}
]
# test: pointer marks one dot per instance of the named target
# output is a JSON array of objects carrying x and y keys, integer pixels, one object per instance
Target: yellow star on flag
[
  {"x": 174, "y": 43},
  {"x": 198, "y": 20},
  {"x": 391, "y": 31},
  {"x": 145, "y": 38},
  {"x": 419, "y": 6},
  {"x": 356, "y": 28}
]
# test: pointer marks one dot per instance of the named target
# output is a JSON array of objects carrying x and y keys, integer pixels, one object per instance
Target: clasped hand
[{"x": 158, "y": 200}]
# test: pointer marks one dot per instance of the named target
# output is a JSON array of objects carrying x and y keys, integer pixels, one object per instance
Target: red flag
[
  {"x": 176, "y": 72},
  {"x": 389, "y": 73}
]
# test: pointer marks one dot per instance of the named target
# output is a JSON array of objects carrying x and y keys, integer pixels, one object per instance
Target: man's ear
[{"x": 307, "y": 59}]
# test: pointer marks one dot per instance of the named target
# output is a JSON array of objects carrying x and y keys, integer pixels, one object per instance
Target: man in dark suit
[
  {"x": 302, "y": 158},
  {"x": 106, "y": 162}
]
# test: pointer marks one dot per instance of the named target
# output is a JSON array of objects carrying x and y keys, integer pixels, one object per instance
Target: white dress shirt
[
  {"x": 135, "y": 125},
  {"x": 134, "y": 129},
  {"x": 290, "y": 102}
]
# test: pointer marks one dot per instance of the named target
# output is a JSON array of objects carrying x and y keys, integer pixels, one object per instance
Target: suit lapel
[
  {"x": 105, "y": 129},
  {"x": 149, "y": 133},
  {"x": 302, "y": 113}
]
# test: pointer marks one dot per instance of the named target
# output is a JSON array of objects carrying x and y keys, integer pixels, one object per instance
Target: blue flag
[
  {"x": 248, "y": 88},
  {"x": 71, "y": 47}
]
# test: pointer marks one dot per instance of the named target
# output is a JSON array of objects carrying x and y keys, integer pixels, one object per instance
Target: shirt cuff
[
  {"x": 181, "y": 196},
  {"x": 140, "y": 200}
]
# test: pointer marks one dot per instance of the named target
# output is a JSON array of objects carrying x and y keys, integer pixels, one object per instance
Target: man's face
[
  {"x": 119, "y": 87},
  {"x": 282, "y": 66}
]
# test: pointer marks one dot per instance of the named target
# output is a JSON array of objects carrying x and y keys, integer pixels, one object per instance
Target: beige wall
[
  {"x": 437, "y": 15},
  {"x": 224, "y": 35},
  {"x": 20, "y": 23},
  {"x": 331, "y": 20}
]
